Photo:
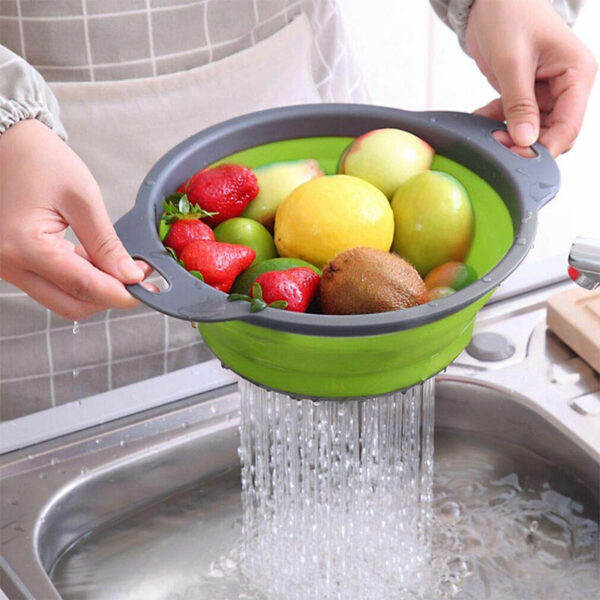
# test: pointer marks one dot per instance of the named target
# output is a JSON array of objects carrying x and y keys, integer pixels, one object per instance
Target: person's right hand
[{"x": 44, "y": 188}]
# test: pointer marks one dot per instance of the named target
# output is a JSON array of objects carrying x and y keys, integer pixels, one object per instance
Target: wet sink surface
[
  {"x": 510, "y": 521},
  {"x": 149, "y": 508}
]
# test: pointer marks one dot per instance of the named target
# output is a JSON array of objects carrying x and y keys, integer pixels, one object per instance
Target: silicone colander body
[
  {"x": 360, "y": 366},
  {"x": 360, "y": 355}
]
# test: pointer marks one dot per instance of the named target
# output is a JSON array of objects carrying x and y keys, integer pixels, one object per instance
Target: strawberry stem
[{"x": 178, "y": 206}]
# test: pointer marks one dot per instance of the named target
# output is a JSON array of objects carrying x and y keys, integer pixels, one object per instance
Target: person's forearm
[{"x": 25, "y": 95}]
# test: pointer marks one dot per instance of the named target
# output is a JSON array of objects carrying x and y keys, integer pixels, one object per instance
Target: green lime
[
  {"x": 244, "y": 282},
  {"x": 247, "y": 232}
]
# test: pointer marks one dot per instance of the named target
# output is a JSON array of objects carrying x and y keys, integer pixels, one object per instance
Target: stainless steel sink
[
  {"x": 95, "y": 480},
  {"x": 91, "y": 492}
]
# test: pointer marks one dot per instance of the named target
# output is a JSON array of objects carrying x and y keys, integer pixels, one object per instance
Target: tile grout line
[
  {"x": 108, "y": 351},
  {"x": 81, "y": 325},
  {"x": 102, "y": 364},
  {"x": 50, "y": 358},
  {"x": 166, "y": 344}
]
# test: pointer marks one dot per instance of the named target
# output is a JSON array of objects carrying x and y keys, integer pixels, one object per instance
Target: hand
[
  {"x": 542, "y": 71},
  {"x": 44, "y": 188}
]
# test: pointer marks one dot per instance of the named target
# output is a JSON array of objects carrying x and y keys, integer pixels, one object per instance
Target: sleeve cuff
[{"x": 25, "y": 95}]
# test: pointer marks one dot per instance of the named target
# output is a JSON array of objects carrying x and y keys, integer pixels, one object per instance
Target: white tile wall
[{"x": 411, "y": 60}]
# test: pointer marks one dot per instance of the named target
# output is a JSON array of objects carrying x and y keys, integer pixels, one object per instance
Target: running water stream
[{"x": 337, "y": 496}]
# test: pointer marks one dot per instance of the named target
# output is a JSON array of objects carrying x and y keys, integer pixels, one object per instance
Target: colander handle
[
  {"x": 186, "y": 297},
  {"x": 537, "y": 179}
]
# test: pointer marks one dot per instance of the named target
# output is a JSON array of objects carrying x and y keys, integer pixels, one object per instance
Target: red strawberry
[
  {"x": 219, "y": 263},
  {"x": 296, "y": 286},
  {"x": 185, "y": 231},
  {"x": 225, "y": 189}
]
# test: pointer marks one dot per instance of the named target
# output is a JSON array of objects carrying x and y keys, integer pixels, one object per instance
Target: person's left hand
[{"x": 541, "y": 69}]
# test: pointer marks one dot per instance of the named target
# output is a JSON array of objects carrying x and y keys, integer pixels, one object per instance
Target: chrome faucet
[{"x": 584, "y": 261}]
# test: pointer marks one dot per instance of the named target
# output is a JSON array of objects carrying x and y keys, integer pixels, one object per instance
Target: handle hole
[
  {"x": 504, "y": 139},
  {"x": 154, "y": 282},
  {"x": 160, "y": 283}
]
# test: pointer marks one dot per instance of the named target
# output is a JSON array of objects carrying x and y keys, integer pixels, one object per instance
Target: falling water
[{"x": 337, "y": 496}]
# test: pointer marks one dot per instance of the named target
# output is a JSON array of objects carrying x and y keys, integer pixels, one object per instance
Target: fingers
[
  {"x": 516, "y": 80},
  {"x": 52, "y": 297},
  {"x": 55, "y": 260},
  {"x": 89, "y": 220},
  {"x": 495, "y": 110},
  {"x": 144, "y": 266},
  {"x": 567, "y": 115}
]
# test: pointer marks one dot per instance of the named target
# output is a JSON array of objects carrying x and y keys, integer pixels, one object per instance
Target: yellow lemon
[{"x": 328, "y": 215}]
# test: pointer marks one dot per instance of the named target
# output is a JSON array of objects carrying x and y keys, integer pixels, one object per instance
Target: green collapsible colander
[{"x": 358, "y": 355}]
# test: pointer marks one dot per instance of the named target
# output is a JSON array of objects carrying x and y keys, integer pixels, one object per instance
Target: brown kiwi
[{"x": 365, "y": 280}]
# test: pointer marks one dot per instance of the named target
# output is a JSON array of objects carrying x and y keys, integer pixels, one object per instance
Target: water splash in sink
[{"x": 336, "y": 495}]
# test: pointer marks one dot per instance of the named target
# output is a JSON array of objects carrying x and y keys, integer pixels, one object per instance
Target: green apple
[
  {"x": 386, "y": 158},
  {"x": 247, "y": 232},
  {"x": 276, "y": 181},
  {"x": 434, "y": 220}
]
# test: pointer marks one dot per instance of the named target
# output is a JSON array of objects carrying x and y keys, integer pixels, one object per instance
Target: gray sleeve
[
  {"x": 25, "y": 95},
  {"x": 455, "y": 13}
]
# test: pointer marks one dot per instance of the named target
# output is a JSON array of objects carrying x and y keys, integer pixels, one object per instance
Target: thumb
[
  {"x": 90, "y": 222},
  {"x": 517, "y": 87}
]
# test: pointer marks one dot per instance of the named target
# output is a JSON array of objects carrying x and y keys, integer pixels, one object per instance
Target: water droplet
[
  {"x": 486, "y": 279},
  {"x": 450, "y": 511},
  {"x": 43, "y": 475},
  {"x": 533, "y": 526},
  {"x": 75, "y": 371},
  {"x": 149, "y": 182},
  {"x": 521, "y": 242},
  {"x": 84, "y": 471},
  {"x": 123, "y": 443},
  {"x": 213, "y": 409},
  {"x": 53, "y": 460},
  {"x": 98, "y": 441},
  {"x": 75, "y": 327},
  {"x": 433, "y": 305},
  {"x": 184, "y": 425}
]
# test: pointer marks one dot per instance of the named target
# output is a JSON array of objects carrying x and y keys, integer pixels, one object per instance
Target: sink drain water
[{"x": 337, "y": 495}]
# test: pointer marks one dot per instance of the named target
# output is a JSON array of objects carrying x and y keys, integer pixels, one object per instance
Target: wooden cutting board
[{"x": 574, "y": 316}]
